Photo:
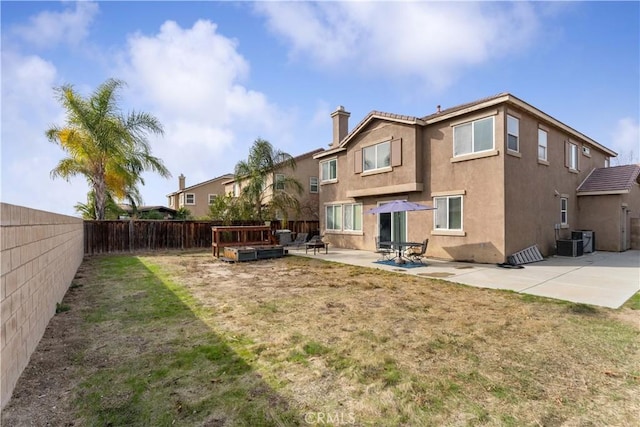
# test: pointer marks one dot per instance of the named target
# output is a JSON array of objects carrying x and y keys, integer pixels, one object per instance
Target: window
[
  {"x": 181, "y": 199},
  {"x": 190, "y": 199},
  {"x": 236, "y": 189},
  {"x": 313, "y": 184},
  {"x": 448, "y": 214},
  {"x": 542, "y": 144},
  {"x": 473, "y": 137},
  {"x": 353, "y": 217},
  {"x": 334, "y": 217},
  {"x": 212, "y": 197},
  {"x": 172, "y": 201},
  {"x": 606, "y": 162},
  {"x": 329, "y": 170},
  {"x": 513, "y": 133},
  {"x": 279, "y": 181},
  {"x": 376, "y": 156},
  {"x": 572, "y": 161},
  {"x": 564, "y": 203}
]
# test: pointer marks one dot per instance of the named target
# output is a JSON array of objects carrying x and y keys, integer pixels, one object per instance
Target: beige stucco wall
[
  {"x": 404, "y": 181},
  {"x": 533, "y": 188},
  {"x": 41, "y": 253},
  {"x": 608, "y": 216},
  {"x": 479, "y": 179}
]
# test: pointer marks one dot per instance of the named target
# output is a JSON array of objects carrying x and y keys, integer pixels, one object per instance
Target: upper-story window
[
  {"x": 607, "y": 162},
  {"x": 473, "y": 137},
  {"x": 513, "y": 133},
  {"x": 329, "y": 170},
  {"x": 376, "y": 156},
  {"x": 572, "y": 156},
  {"x": 542, "y": 144},
  {"x": 189, "y": 199},
  {"x": 236, "y": 189},
  {"x": 181, "y": 199},
  {"x": 212, "y": 198},
  {"x": 313, "y": 184},
  {"x": 279, "y": 181}
]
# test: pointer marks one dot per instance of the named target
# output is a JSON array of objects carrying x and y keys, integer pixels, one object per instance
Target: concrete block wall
[{"x": 40, "y": 254}]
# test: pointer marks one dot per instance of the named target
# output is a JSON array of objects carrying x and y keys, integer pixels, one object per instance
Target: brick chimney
[
  {"x": 340, "y": 125},
  {"x": 181, "y": 182}
]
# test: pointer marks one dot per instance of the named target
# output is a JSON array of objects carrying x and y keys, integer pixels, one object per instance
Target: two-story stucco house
[
  {"x": 502, "y": 174},
  {"x": 197, "y": 198},
  {"x": 306, "y": 172}
]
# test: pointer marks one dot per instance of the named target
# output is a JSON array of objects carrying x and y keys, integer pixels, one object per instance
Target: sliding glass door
[{"x": 392, "y": 227}]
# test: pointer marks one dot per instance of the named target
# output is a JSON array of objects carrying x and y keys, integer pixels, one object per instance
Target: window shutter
[
  {"x": 357, "y": 164},
  {"x": 567, "y": 154},
  {"x": 396, "y": 152}
]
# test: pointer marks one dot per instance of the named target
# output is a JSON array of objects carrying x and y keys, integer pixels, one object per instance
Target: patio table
[{"x": 400, "y": 247}]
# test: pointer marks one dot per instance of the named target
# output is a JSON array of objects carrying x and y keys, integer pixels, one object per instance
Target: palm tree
[
  {"x": 256, "y": 175},
  {"x": 111, "y": 150},
  {"x": 88, "y": 210}
]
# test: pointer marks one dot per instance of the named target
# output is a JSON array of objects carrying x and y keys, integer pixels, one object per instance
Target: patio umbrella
[{"x": 399, "y": 206}]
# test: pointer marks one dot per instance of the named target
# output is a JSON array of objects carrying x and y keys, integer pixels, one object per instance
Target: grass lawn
[{"x": 185, "y": 339}]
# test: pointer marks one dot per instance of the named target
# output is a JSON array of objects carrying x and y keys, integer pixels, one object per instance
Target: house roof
[
  {"x": 459, "y": 110},
  {"x": 373, "y": 115},
  {"x": 612, "y": 180},
  {"x": 225, "y": 176},
  {"x": 506, "y": 97}
]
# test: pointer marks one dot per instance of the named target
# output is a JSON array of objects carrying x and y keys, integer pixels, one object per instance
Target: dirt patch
[{"x": 366, "y": 345}]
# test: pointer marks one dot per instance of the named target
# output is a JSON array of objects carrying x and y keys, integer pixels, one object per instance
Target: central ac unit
[{"x": 571, "y": 248}]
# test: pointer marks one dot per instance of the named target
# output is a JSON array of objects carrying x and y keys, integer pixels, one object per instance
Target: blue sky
[{"x": 218, "y": 75}]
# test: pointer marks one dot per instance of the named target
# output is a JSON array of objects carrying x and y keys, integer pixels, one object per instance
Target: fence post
[{"x": 131, "y": 235}]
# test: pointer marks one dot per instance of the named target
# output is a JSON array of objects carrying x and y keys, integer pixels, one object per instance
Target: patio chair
[
  {"x": 383, "y": 250},
  {"x": 300, "y": 240},
  {"x": 417, "y": 253}
]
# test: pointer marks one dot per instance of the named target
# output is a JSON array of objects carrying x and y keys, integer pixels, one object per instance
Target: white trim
[
  {"x": 186, "y": 199},
  {"x": 474, "y": 118},
  {"x": 376, "y": 171},
  {"x": 474, "y": 156},
  {"x": 448, "y": 193}
]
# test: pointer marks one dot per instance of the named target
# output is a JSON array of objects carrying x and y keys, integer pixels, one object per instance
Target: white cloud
[
  {"x": 28, "y": 109},
  {"x": 626, "y": 140},
  {"x": 192, "y": 80},
  {"x": 429, "y": 40},
  {"x": 48, "y": 29}
]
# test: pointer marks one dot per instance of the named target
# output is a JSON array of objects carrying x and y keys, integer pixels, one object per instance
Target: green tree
[
  {"x": 256, "y": 175},
  {"x": 88, "y": 210},
  {"x": 108, "y": 148},
  {"x": 183, "y": 213},
  {"x": 228, "y": 208}
]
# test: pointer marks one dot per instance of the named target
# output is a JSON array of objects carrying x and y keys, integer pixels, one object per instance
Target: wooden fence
[{"x": 101, "y": 237}]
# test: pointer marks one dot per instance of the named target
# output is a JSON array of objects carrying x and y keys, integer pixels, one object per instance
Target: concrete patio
[{"x": 606, "y": 279}]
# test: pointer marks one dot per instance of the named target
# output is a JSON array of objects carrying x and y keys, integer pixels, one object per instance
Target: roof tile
[{"x": 614, "y": 178}]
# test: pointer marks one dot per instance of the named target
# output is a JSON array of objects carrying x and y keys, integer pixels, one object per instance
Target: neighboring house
[
  {"x": 197, "y": 198},
  {"x": 502, "y": 174},
  {"x": 306, "y": 172},
  {"x": 166, "y": 212}
]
